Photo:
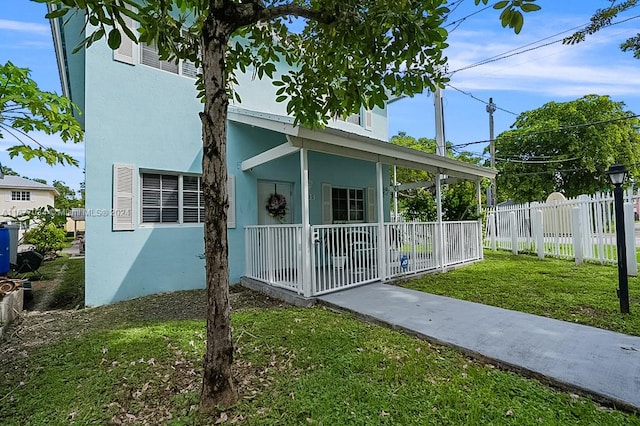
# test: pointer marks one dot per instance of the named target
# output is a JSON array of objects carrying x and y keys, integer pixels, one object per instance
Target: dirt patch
[{"x": 36, "y": 328}]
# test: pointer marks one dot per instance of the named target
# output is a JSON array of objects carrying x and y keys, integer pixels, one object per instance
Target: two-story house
[
  {"x": 19, "y": 195},
  {"x": 296, "y": 195}
]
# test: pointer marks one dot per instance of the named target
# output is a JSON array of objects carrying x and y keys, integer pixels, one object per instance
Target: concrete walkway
[{"x": 601, "y": 363}]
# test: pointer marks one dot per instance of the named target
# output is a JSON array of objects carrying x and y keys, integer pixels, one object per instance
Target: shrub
[{"x": 46, "y": 238}]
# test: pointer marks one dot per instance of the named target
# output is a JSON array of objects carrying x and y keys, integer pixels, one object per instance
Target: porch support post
[
  {"x": 307, "y": 285},
  {"x": 382, "y": 244},
  {"x": 479, "y": 207},
  {"x": 395, "y": 194},
  {"x": 439, "y": 228}
]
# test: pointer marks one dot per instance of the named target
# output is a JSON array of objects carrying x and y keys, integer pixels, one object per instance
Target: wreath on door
[{"x": 277, "y": 206}]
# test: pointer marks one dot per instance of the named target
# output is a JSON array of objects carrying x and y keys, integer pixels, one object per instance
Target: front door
[{"x": 266, "y": 189}]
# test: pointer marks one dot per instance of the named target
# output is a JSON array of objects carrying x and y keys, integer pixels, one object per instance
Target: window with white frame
[
  {"x": 172, "y": 199},
  {"x": 149, "y": 56},
  {"x": 353, "y": 118},
  {"x": 192, "y": 200},
  {"x": 362, "y": 118},
  {"x": 347, "y": 204},
  {"x": 20, "y": 195}
]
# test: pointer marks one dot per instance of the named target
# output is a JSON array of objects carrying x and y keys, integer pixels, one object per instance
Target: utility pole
[
  {"x": 491, "y": 108},
  {"x": 439, "y": 112}
]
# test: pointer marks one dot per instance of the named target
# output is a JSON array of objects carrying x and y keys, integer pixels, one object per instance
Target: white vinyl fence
[{"x": 582, "y": 228}]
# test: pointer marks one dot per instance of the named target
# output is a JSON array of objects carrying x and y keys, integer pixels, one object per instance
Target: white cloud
[
  {"x": 595, "y": 66},
  {"x": 29, "y": 27}
]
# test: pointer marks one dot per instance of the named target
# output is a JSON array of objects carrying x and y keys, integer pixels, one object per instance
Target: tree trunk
[{"x": 217, "y": 385}]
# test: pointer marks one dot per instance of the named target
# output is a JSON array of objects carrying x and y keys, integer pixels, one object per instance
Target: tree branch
[
  {"x": 254, "y": 11},
  {"x": 295, "y": 10}
]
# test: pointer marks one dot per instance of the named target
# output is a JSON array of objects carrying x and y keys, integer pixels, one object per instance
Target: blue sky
[{"x": 522, "y": 82}]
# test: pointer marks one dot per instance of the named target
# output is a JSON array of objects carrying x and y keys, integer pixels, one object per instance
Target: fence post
[
  {"x": 538, "y": 232},
  {"x": 584, "y": 202},
  {"x": 493, "y": 229},
  {"x": 514, "y": 232},
  {"x": 630, "y": 238},
  {"x": 577, "y": 235}
]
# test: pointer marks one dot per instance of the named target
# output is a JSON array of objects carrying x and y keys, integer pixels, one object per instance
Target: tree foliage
[
  {"x": 566, "y": 147},
  {"x": 25, "y": 108},
  {"x": 46, "y": 238},
  {"x": 350, "y": 53},
  {"x": 65, "y": 199},
  {"x": 459, "y": 200},
  {"x": 603, "y": 18}
]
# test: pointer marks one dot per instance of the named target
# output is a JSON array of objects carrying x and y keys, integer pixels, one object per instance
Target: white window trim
[
  {"x": 364, "y": 204},
  {"x": 180, "y": 223},
  {"x": 231, "y": 218},
  {"x": 180, "y": 63},
  {"x": 365, "y": 119},
  {"x": 21, "y": 195}
]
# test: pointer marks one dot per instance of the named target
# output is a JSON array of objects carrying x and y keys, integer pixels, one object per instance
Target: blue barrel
[{"x": 4, "y": 251}]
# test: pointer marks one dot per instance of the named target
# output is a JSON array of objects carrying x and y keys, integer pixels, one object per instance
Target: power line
[
  {"x": 513, "y": 160},
  {"x": 499, "y": 58},
  {"x": 574, "y": 126},
  {"x": 480, "y": 100},
  {"x": 541, "y": 172},
  {"x": 518, "y": 51},
  {"x": 457, "y": 22},
  {"x": 526, "y": 45}
]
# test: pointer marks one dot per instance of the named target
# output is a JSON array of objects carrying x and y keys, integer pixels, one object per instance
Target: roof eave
[{"x": 58, "y": 45}]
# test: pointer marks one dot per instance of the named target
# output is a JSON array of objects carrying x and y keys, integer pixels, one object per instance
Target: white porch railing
[
  {"x": 344, "y": 256},
  {"x": 412, "y": 248},
  {"x": 274, "y": 255}
]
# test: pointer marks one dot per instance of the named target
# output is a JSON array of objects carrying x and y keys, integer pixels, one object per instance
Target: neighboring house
[
  {"x": 144, "y": 204},
  {"x": 19, "y": 195}
]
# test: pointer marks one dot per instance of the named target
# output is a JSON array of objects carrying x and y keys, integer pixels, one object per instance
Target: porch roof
[{"x": 339, "y": 142}]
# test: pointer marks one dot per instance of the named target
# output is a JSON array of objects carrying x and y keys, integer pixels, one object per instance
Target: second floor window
[
  {"x": 149, "y": 56},
  {"x": 21, "y": 195}
]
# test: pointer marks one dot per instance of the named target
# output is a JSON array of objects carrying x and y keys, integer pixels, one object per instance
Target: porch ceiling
[{"x": 342, "y": 143}]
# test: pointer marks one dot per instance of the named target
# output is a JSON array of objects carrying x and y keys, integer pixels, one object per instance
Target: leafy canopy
[
  {"x": 25, "y": 108},
  {"x": 603, "y": 18},
  {"x": 348, "y": 54},
  {"x": 566, "y": 147}
]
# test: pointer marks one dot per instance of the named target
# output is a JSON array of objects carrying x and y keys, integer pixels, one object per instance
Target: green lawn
[
  {"x": 295, "y": 366},
  {"x": 551, "y": 287}
]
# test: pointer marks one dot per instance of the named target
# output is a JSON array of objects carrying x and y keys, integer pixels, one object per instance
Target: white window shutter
[
  {"x": 371, "y": 204},
  {"x": 231, "y": 191},
  {"x": 368, "y": 119},
  {"x": 123, "y": 197},
  {"x": 327, "y": 212},
  {"x": 125, "y": 53}
]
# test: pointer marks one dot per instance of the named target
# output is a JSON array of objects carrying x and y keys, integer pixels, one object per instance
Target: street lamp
[{"x": 617, "y": 173}]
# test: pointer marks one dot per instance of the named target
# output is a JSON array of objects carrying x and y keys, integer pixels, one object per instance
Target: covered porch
[{"x": 318, "y": 258}]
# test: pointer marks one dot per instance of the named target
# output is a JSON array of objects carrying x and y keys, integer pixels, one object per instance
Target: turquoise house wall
[
  {"x": 149, "y": 118},
  {"x": 146, "y": 117}
]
